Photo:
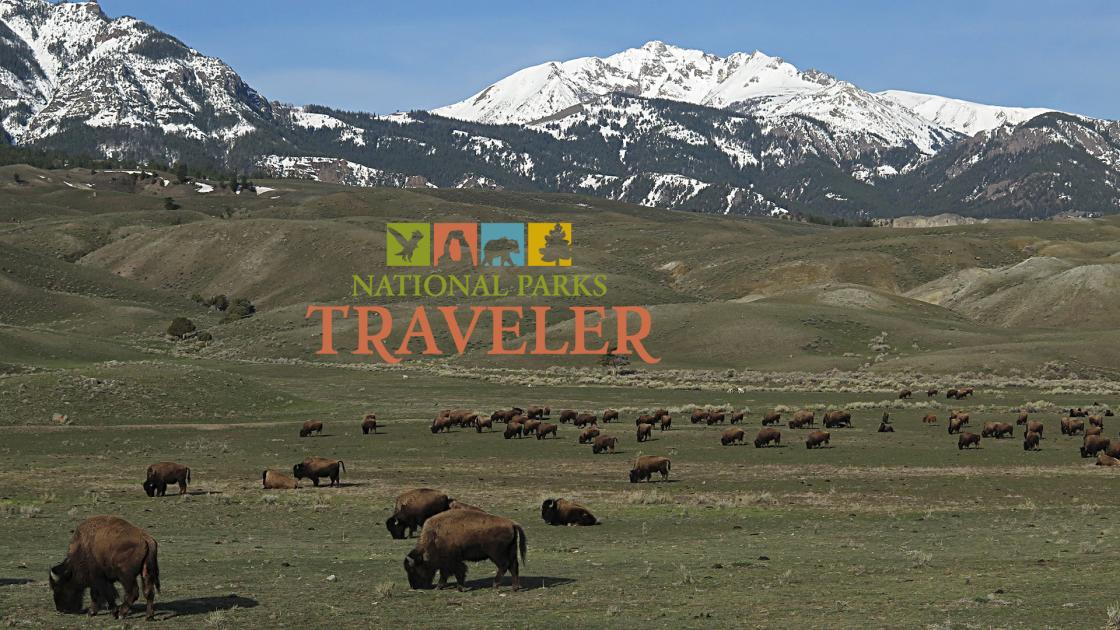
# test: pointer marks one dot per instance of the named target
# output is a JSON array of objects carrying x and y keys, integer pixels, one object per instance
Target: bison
[
  {"x": 1113, "y": 449},
  {"x": 905, "y": 394},
  {"x": 1030, "y": 441},
  {"x": 565, "y": 512},
  {"x": 456, "y": 536},
  {"x": 1094, "y": 431},
  {"x": 955, "y": 424},
  {"x": 316, "y": 468},
  {"x": 647, "y": 465},
  {"x": 1094, "y": 444},
  {"x": 699, "y": 416},
  {"x": 311, "y": 426},
  {"x": 771, "y": 418},
  {"x": 585, "y": 419},
  {"x": 513, "y": 429},
  {"x": 545, "y": 429},
  {"x": 1096, "y": 421},
  {"x": 645, "y": 418},
  {"x": 484, "y": 423},
  {"x": 998, "y": 430},
  {"x": 163, "y": 474},
  {"x": 588, "y": 434},
  {"x": 1104, "y": 459},
  {"x": 737, "y": 417},
  {"x": 275, "y": 480},
  {"x": 530, "y": 427},
  {"x": 666, "y": 422},
  {"x": 732, "y": 435},
  {"x": 931, "y": 392},
  {"x": 1022, "y": 418},
  {"x": 929, "y": 418},
  {"x": 803, "y": 418},
  {"x": 412, "y": 508},
  {"x": 567, "y": 415},
  {"x": 504, "y": 415},
  {"x": 716, "y": 417},
  {"x": 766, "y": 435},
  {"x": 538, "y": 413},
  {"x": 610, "y": 414},
  {"x": 1070, "y": 426},
  {"x": 951, "y": 393},
  {"x": 442, "y": 423},
  {"x": 1034, "y": 426},
  {"x": 645, "y": 431},
  {"x": 816, "y": 438},
  {"x": 105, "y": 550},
  {"x": 967, "y": 439},
  {"x": 834, "y": 419},
  {"x": 369, "y": 423},
  {"x": 604, "y": 443},
  {"x": 886, "y": 427}
]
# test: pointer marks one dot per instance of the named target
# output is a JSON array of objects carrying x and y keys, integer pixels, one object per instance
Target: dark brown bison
[
  {"x": 1078, "y": 413},
  {"x": 998, "y": 430},
  {"x": 645, "y": 418},
  {"x": 766, "y": 435},
  {"x": 588, "y": 434},
  {"x": 311, "y": 426},
  {"x": 316, "y": 468},
  {"x": 1094, "y": 444},
  {"x": 931, "y": 392},
  {"x": 929, "y": 418},
  {"x": 369, "y": 423},
  {"x": 538, "y": 413},
  {"x": 645, "y": 431},
  {"x": 951, "y": 393},
  {"x": 905, "y": 394},
  {"x": 699, "y": 416},
  {"x": 603, "y": 443},
  {"x": 1030, "y": 441},
  {"x": 803, "y": 418},
  {"x": 771, "y": 418},
  {"x": 163, "y": 474},
  {"x": 610, "y": 414},
  {"x": 666, "y": 422},
  {"x": 565, "y": 512},
  {"x": 1021, "y": 418},
  {"x": 1034, "y": 426},
  {"x": 545, "y": 429},
  {"x": 504, "y": 415},
  {"x": 967, "y": 439},
  {"x": 585, "y": 419},
  {"x": 1096, "y": 421},
  {"x": 835, "y": 419},
  {"x": 737, "y": 417},
  {"x": 412, "y": 508},
  {"x": 530, "y": 427},
  {"x": 716, "y": 417},
  {"x": 1113, "y": 449},
  {"x": 816, "y": 438},
  {"x": 105, "y": 550},
  {"x": 647, "y": 465},
  {"x": 484, "y": 423},
  {"x": 567, "y": 415},
  {"x": 275, "y": 480},
  {"x": 513, "y": 429},
  {"x": 1104, "y": 459},
  {"x": 451, "y": 538},
  {"x": 732, "y": 436}
]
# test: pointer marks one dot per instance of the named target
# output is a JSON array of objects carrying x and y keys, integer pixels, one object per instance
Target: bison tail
[
  {"x": 188, "y": 475},
  {"x": 342, "y": 465},
  {"x": 151, "y": 562},
  {"x": 522, "y": 543}
]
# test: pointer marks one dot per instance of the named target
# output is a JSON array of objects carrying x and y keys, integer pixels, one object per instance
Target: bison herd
[{"x": 106, "y": 549}]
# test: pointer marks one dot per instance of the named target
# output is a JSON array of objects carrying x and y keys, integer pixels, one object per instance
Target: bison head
[
  {"x": 150, "y": 487},
  {"x": 420, "y": 573},
  {"x": 635, "y": 476},
  {"x": 435, "y": 427},
  {"x": 395, "y": 527},
  {"x": 548, "y": 510},
  {"x": 66, "y": 590},
  {"x": 299, "y": 471}
]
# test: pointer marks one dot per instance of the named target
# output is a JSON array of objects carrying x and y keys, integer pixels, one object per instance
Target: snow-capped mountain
[
  {"x": 67, "y": 65},
  {"x": 962, "y": 116}
]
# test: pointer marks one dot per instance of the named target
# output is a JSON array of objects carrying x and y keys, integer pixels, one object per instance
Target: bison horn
[
  {"x": 410, "y": 561},
  {"x": 60, "y": 571}
]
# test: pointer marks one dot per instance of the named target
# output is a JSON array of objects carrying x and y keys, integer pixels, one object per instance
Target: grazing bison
[
  {"x": 967, "y": 439},
  {"x": 513, "y": 429},
  {"x": 565, "y": 512},
  {"x": 484, "y": 423},
  {"x": 456, "y": 536},
  {"x": 504, "y": 415},
  {"x": 567, "y": 415},
  {"x": 369, "y": 423},
  {"x": 834, "y": 419},
  {"x": 603, "y": 443},
  {"x": 1094, "y": 444},
  {"x": 931, "y": 392},
  {"x": 964, "y": 393},
  {"x": 163, "y": 474},
  {"x": 538, "y": 413},
  {"x": 585, "y": 419},
  {"x": 316, "y": 468},
  {"x": 412, "y": 508},
  {"x": 766, "y": 435},
  {"x": 732, "y": 435},
  {"x": 610, "y": 414},
  {"x": 666, "y": 422},
  {"x": 105, "y": 550},
  {"x": 803, "y": 418},
  {"x": 737, "y": 417},
  {"x": 771, "y": 418},
  {"x": 645, "y": 431},
  {"x": 816, "y": 438},
  {"x": 955, "y": 424},
  {"x": 588, "y": 434},
  {"x": 1104, "y": 459},
  {"x": 1022, "y": 418},
  {"x": 716, "y": 417},
  {"x": 1030, "y": 441},
  {"x": 442, "y": 423},
  {"x": 699, "y": 416},
  {"x": 1069, "y": 426},
  {"x": 645, "y": 418},
  {"x": 311, "y": 426},
  {"x": 929, "y": 418},
  {"x": 1034, "y": 426},
  {"x": 998, "y": 430},
  {"x": 530, "y": 427},
  {"x": 275, "y": 480},
  {"x": 545, "y": 429},
  {"x": 951, "y": 393},
  {"x": 905, "y": 394},
  {"x": 647, "y": 465}
]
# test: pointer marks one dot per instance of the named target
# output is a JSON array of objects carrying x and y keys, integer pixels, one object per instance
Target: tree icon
[{"x": 556, "y": 247}]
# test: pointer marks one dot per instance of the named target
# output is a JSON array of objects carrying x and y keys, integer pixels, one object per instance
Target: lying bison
[
  {"x": 565, "y": 512},
  {"x": 1104, "y": 459},
  {"x": 645, "y": 432},
  {"x": 817, "y": 438},
  {"x": 369, "y": 423},
  {"x": 647, "y": 465},
  {"x": 967, "y": 439},
  {"x": 105, "y": 550},
  {"x": 412, "y": 508},
  {"x": 1093, "y": 444},
  {"x": 163, "y": 474},
  {"x": 545, "y": 429},
  {"x": 1030, "y": 441},
  {"x": 275, "y": 480},
  {"x": 734, "y": 435},
  {"x": 311, "y": 426},
  {"x": 834, "y": 419},
  {"x": 316, "y": 468},
  {"x": 604, "y": 443},
  {"x": 588, "y": 434},
  {"x": 451, "y": 538},
  {"x": 766, "y": 435}
]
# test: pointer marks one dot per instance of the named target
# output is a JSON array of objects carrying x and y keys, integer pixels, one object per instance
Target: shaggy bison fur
[
  {"x": 105, "y": 550},
  {"x": 452, "y": 538}
]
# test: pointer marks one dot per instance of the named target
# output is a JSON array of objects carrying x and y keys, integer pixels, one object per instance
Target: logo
[
  {"x": 502, "y": 244},
  {"x": 408, "y": 245},
  {"x": 455, "y": 243},
  {"x": 550, "y": 244}
]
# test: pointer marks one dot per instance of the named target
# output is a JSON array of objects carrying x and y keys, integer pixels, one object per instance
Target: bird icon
[{"x": 408, "y": 247}]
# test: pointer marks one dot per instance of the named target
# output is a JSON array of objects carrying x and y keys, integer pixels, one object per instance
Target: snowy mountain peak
[{"x": 962, "y": 116}]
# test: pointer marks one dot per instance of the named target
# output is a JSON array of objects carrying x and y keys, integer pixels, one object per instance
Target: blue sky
[{"x": 383, "y": 57}]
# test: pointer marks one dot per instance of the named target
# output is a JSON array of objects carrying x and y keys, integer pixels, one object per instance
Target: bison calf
[
  {"x": 105, "y": 550},
  {"x": 565, "y": 512},
  {"x": 647, "y": 465}
]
